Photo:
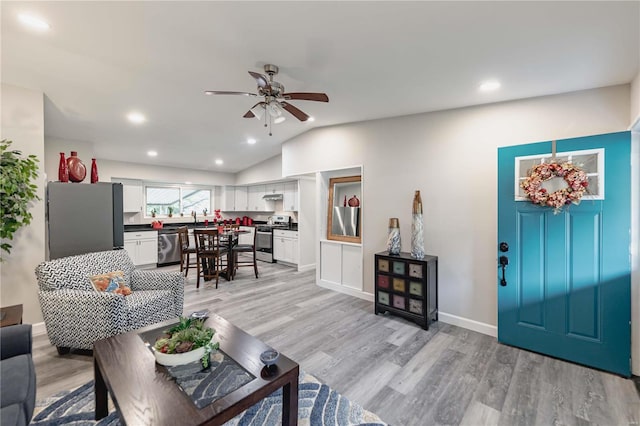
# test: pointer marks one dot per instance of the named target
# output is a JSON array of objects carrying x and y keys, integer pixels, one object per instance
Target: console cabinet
[{"x": 407, "y": 287}]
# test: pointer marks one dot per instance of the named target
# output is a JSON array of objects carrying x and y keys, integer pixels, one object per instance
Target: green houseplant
[{"x": 17, "y": 191}]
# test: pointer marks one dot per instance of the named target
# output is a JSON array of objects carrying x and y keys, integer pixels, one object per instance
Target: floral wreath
[{"x": 573, "y": 175}]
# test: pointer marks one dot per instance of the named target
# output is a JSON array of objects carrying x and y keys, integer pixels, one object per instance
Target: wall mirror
[{"x": 345, "y": 204}]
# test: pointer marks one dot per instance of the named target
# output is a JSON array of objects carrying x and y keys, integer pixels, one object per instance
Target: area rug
[{"x": 318, "y": 405}]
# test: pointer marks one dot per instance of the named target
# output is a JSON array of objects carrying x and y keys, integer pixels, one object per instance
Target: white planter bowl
[{"x": 171, "y": 360}]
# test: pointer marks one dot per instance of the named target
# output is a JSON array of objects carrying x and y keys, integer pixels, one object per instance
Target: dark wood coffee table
[{"x": 145, "y": 394}]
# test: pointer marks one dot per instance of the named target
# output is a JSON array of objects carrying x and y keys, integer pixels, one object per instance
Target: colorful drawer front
[
  {"x": 398, "y": 284},
  {"x": 399, "y": 268},
  {"x": 415, "y": 306},
  {"x": 383, "y": 281},
  {"x": 383, "y": 298},
  {"x": 415, "y": 288},
  {"x": 399, "y": 302},
  {"x": 383, "y": 265},
  {"x": 415, "y": 270}
]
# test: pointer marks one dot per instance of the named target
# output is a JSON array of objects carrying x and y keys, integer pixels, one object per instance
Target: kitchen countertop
[{"x": 174, "y": 226}]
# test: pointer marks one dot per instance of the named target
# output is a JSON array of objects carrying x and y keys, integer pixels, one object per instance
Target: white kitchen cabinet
[
  {"x": 290, "y": 197},
  {"x": 132, "y": 198},
  {"x": 285, "y": 246},
  {"x": 274, "y": 188},
  {"x": 142, "y": 247},
  {"x": 241, "y": 200},
  {"x": 228, "y": 199},
  {"x": 256, "y": 202}
]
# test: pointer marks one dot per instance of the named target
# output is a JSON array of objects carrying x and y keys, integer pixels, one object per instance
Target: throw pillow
[{"x": 111, "y": 282}]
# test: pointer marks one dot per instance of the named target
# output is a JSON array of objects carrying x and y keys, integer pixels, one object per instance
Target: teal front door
[{"x": 566, "y": 290}]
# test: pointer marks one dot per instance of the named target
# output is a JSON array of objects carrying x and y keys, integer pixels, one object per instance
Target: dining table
[{"x": 230, "y": 238}]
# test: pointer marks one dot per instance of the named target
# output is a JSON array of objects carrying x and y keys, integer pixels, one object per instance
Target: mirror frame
[{"x": 337, "y": 237}]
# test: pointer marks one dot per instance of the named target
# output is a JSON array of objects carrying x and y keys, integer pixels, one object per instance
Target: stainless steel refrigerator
[{"x": 83, "y": 218}]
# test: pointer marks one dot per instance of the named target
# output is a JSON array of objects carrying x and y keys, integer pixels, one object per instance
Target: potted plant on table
[
  {"x": 153, "y": 212},
  {"x": 170, "y": 211},
  {"x": 186, "y": 342}
]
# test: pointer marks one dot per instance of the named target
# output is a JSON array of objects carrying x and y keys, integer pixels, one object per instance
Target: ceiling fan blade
[
  {"x": 224, "y": 92},
  {"x": 260, "y": 79},
  {"x": 305, "y": 96},
  {"x": 250, "y": 113},
  {"x": 294, "y": 111}
]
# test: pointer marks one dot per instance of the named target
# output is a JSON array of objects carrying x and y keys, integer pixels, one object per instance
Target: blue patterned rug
[{"x": 318, "y": 405}]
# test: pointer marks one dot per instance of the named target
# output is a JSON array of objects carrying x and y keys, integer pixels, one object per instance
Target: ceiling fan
[{"x": 275, "y": 98}]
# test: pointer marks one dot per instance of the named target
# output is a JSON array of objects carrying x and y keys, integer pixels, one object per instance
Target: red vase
[
  {"x": 77, "y": 170},
  {"x": 63, "y": 171},
  {"x": 94, "y": 171}
]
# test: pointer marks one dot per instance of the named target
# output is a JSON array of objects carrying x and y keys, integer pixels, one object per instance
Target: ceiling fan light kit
[{"x": 274, "y": 98}]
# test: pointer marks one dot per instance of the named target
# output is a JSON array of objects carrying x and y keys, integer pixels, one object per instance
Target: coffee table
[{"x": 145, "y": 393}]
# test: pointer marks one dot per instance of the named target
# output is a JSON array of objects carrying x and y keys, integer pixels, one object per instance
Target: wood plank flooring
[{"x": 445, "y": 376}]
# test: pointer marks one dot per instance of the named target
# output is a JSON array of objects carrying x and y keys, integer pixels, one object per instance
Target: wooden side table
[{"x": 11, "y": 315}]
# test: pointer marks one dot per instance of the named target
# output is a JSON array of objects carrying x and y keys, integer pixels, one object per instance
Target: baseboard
[
  {"x": 38, "y": 329},
  {"x": 480, "y": 327},
  {"x": 305, "y": 268},
  {"x": 346, "y": 290}
]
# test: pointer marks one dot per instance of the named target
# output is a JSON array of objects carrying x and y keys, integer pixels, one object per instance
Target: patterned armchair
[{"x": 76, "y": 315}]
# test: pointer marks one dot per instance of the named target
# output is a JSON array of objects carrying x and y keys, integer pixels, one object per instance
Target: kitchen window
[{"x": 178, "y": 199}]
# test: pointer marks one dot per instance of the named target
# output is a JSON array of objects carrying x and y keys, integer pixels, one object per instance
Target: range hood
[{"x": 272, "y": 197}]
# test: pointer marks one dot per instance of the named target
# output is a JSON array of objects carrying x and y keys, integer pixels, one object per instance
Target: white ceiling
[{"x": 101, "y": 60}]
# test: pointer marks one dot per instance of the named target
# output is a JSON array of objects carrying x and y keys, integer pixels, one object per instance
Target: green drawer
[
  {"x": 399, "y": 268},
  {"x": 415, "y": 288},
  {"x": 383, "y": 298}
]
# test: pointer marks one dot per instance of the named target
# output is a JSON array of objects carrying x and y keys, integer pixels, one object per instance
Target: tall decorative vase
[
  {"x": 94, "y": 171},
  {"x": 393, "y": 239},
  {"x": 77, "y": 170},
  {"x": 63, "y": 171},
  {"x": 417, "y": 228}
]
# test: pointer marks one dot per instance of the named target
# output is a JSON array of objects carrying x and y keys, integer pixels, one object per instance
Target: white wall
[
  {"x": 265, "y": 171},
  {"x": 23, "y": 123},
  {"x": 108, "y": 169},
  {"x": 307, "y": 228},
  {"x": 451, "y": 157},
  {"x": 635, "y": 99}
]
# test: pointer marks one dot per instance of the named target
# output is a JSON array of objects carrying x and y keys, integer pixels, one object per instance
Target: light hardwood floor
[{"x": 408, "y": 376}]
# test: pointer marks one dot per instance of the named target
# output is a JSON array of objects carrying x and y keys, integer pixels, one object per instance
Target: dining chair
[
  {"x": 245, "y": 248},
  {"x": 210, "y": 254},
  {"x": 185, "y": 250}
]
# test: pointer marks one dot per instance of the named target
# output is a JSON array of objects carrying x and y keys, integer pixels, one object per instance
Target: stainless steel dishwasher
[{"x": 168, "y": 247}]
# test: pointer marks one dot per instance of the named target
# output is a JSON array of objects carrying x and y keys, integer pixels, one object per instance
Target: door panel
[{"x": 568, "y": 277}]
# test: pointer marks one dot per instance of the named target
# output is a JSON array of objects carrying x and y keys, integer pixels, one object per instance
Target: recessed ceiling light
[
  {"x": 489, "y": 86},
  {"x": 311, "y": 119},
  {"x": 279, "y": 120},
  {"x": 188, "y": 183},
  {"x": 152, "y": 153},
  {"x": 219, "y": 162},
  {"x": 251, "y": 141},
  {"x": 136, "y": 117},
  {"x": 33, "y": 22}
]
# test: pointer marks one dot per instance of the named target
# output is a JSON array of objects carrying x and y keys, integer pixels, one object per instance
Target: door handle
[{"x": 504, "y": 261}]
